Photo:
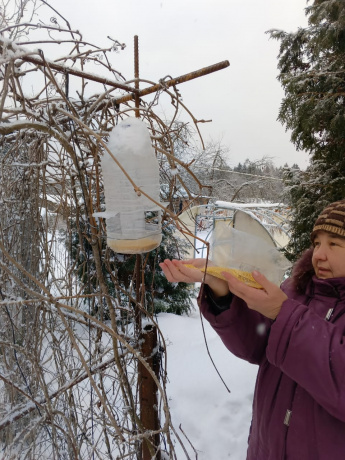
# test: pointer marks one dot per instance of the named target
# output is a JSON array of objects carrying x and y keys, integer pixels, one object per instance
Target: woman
[{"x": 296, "y": 334}]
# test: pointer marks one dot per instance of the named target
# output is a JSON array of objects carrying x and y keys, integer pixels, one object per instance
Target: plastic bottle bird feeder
[{"x": 133, "y": 220}]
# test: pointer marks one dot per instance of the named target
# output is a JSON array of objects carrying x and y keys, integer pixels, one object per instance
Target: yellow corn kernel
[{"x": 245, "y": 277}]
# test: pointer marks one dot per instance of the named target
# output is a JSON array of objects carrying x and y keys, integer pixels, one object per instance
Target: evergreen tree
[
  {"x": 311, "y": 62},
  {"x": 160, "y": 295},
  {"x": 309, "y": 192}
]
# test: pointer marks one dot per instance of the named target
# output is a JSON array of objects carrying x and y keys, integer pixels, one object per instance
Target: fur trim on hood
[{"x": 303, "y": 271}]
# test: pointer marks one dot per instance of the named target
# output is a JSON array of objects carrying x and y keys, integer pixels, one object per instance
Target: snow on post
[{"x": 133, "y": 220}]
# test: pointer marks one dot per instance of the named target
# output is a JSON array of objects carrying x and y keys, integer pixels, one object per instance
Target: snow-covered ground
[{"x": 215, "y": 421}]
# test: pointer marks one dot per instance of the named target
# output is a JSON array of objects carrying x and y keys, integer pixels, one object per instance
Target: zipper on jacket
[
  {"x": 287, "y": 417},
  {"x": 286, "y": 422},
  {"x": 286, "y": 429},
  {"x": 329, "y": 314}
]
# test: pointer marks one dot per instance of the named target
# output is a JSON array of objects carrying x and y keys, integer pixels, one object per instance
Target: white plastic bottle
[{"x": 133, "y": 222}]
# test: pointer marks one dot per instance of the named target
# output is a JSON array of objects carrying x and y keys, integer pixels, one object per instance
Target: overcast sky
[{"x": 180, "y": 36}]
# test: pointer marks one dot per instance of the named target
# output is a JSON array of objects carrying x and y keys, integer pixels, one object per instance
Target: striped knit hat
[{"x": 332, "y": 219}]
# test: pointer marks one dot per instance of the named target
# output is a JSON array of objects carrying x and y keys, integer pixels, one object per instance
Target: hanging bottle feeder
[{"x": 133, "y": 220}]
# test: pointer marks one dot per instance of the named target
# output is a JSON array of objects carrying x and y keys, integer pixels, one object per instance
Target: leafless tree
[
  {"x": 69, "y": 351},
  {"x": 250, "y": 181}
]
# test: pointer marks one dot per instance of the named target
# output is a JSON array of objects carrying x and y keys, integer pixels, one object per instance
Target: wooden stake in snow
[{"x": 148, "y": 391}]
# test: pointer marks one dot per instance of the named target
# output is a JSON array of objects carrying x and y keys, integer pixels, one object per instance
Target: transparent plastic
[
  {"x": 133, "y": 222},
  {"x": 237, "y": 249}
]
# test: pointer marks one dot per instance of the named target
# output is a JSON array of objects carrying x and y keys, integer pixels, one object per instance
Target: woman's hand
[
  {"x": 267, "y": 301},
  {"x": 176, "y": 272}
]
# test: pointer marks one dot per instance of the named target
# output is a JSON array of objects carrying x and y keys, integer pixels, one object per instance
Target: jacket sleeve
[
  {"x": 243, "y": 331},
  {"x": 311, "y": 351}
]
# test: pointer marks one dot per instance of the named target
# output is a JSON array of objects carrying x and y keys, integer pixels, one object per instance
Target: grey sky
[{"x": 179, "y": 36}]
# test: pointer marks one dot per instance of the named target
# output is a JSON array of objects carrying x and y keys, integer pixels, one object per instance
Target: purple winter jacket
[{"x": 299, "y": 400}]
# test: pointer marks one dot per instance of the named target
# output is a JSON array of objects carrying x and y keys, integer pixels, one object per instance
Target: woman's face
[{"x": 329, "y": 255}]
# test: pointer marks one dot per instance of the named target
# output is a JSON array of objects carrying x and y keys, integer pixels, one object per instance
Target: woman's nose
[{"x": 320, "y": 253}]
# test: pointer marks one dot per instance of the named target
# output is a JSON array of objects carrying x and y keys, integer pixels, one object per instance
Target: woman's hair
[{"x": 334, "y": 235}]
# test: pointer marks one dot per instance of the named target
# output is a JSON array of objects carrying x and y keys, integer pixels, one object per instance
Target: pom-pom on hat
[{"x": 332, "y": 220}]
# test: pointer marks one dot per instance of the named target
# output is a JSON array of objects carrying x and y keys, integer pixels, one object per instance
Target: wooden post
[
  {"x": 148, "y": 390},
  {"x": 148, "y": 336}
]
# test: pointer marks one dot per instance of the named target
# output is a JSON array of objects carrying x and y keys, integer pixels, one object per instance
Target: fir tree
[
  {"x": 160, "y": 295},
  {"x": 311, "y": 62}
]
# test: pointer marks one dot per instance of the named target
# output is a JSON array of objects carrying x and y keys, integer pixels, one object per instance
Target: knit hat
[{"x": 332, "y": 219}]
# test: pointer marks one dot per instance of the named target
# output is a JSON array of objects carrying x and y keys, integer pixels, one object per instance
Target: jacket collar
[{"x": 331, "y": 287}]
